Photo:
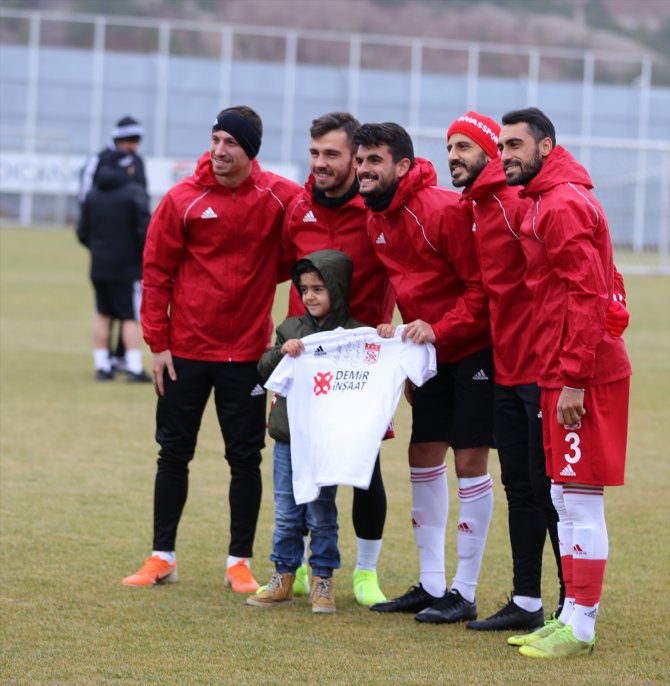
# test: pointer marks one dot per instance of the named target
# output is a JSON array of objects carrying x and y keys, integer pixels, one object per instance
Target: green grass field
[{"x": 77, "y": 469}]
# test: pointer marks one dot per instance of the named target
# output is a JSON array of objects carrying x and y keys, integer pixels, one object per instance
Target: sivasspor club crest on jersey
[{"x": 372, "y": 352}]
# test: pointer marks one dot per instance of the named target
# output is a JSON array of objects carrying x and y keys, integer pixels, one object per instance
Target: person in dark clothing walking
[
  {"x": 125, "y": 137},
  {"x": 113, "y": 225}
]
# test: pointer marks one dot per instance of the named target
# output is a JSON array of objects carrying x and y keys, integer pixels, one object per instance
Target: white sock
[
  {"x": 583, "y": 621},
  {"x": 232, "y": 560},
  {"x": 586, "y": 508},
  {"x": 527, "y": 603},
  {"x": 430, "y": 507},
  {"x": 133, "y": 360},
  {"x": 170, "y": 556},
  {"x": 368, "y": 553},
  {"x": 474, "y": 517},
  {"x": 564, "y": 527},
  {"x": 101, "y": 359},
  {"x": 305, "y": 553},
  {"x": 568, "y": 609}
]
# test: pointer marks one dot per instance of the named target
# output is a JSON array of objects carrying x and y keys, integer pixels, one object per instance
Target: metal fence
[{"x": 65, "y": 79}]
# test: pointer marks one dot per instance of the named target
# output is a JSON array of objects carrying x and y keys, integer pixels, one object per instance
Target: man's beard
[
  {"x": 383, "y": 186},
  {"x": 471, "y": 173},
  {"x": 529, "y": 171}
]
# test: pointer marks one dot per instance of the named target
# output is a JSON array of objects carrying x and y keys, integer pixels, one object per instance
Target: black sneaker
[
  {"x": 451, "y": 608},
  {"x": 102, "y": 375},
  {"x": 414, "y": 600},
  {"x": 139, "y": 377},
  {"x": 510, "y": 617}
]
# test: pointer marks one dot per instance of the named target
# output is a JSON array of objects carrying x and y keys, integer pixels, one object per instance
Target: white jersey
[{"x": 341, "y": 393}]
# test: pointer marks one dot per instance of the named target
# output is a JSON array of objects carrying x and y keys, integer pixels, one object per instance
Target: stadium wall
[{"x": 59, "y": 103}]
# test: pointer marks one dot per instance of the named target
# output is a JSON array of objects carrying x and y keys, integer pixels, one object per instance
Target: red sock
[
  {"x": 568, "y": 575},
  {"x": 587, "y": 578}
]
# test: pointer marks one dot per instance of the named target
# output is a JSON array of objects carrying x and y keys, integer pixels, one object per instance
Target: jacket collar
[
  {"x": 559, "y": 167},
  {"x": 490, "y": 180},
  {"x": 421, "y": 175}
]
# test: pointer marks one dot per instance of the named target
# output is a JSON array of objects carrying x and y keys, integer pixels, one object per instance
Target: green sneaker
[
  {"x": 366, "y": 588},
  {"x": 549, "y": 627},
  {"x": 300, "y": 585},
  {"x": 559, "y": 643}
]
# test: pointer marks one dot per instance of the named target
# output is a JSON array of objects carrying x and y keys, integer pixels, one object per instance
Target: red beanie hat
[{"x": 481, "y": 129}]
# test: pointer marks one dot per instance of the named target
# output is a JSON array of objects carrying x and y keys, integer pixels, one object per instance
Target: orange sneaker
[
  {"x": 154, "y": 571},
  {"x": 240, "y": 579}
]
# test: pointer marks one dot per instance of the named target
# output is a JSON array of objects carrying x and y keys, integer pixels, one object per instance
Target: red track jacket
[
  {"x": 571, "y": 273},
  {"x": 424, "y": 239},
  {"x": 211, "y": 264},
  {"x": 498, "y": 212},
  {"x": 309, "y": 226}
]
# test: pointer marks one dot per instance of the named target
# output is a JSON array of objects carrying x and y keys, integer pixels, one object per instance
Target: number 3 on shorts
[{"x": 573, "y": 439}]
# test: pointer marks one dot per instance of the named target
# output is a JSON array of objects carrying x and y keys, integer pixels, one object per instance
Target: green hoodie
[{"x": 336, "y": 270}]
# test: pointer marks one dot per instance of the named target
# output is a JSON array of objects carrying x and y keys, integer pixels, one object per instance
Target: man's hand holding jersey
[{"x": 418, "y": 331}]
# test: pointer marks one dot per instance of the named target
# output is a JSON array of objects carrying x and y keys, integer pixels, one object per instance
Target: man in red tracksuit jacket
[
  {"x": 584, "y": 371},
  {"x": 422, "y": 234},
  {"x": 210, "y": 270},
  {"x": 330, "y": 214},
  {"x": 472, "y": 145}
]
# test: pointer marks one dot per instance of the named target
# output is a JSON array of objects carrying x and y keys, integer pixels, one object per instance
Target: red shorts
[{"x": 593, "y": 451}]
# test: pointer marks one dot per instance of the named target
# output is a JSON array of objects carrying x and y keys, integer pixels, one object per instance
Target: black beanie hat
[{"x": 241, "y": 129}]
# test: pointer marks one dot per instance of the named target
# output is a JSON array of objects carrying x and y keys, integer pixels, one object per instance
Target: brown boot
[
  {"x": 321, "y": 596},
  {"x": 278, "y": 592}
]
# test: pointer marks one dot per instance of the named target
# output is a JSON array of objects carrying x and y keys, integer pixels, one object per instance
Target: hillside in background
[{"x": 631, "y": 26}]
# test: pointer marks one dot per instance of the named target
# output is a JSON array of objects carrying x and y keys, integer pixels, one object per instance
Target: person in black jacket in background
[
  {"x": 113, "y": 225},
  {"x": 126, "y": 136}
]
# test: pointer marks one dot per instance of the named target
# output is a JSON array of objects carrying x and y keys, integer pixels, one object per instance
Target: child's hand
[
  {"x": 292, "y": 347},
  {"x": 386, "y": 330}
]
